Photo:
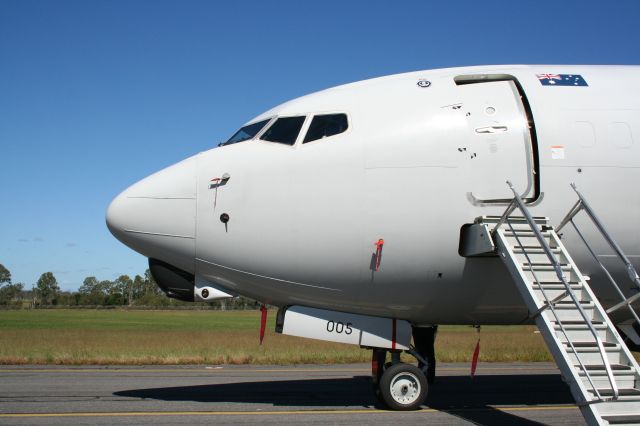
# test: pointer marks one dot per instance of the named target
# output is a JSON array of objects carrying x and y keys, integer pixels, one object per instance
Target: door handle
[
  {"x": 220, "y": 180},
  {"x": 492, "y": 129}
]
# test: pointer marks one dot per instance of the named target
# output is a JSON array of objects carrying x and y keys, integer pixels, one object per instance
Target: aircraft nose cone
[
  {"x": 116, "y": 217},
  {"x": 156, "y": 216}
]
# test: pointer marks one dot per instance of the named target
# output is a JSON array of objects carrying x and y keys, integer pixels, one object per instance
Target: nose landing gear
[{"x": 401, "y": 386}]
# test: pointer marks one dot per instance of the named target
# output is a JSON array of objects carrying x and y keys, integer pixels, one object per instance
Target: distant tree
[
  {"x": 150, "y": 285},
  {"x": 5, "y": 275},
  {"x": 243, "y": 303},
  {"x": 137, "y": 288},
  {"x": 94, "y": 292},
  {"x": 33, "y": 296},
  {"x": 88, "y": 285},
  {"x": 139, "y": 291},
  {"x": 47, "y": 288},
  {"x": 26, "y": 294},
  {"x": 68, "y": 298},
  {"x": 122, "y": 290},
  {"x": 149, "y": 293},
  {"x": 11, "y": 294}
]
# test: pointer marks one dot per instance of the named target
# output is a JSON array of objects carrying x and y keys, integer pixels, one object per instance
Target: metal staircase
[{"x": 603, "y": 376}]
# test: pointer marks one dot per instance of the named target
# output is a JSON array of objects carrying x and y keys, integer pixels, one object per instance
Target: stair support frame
[{"x": 518, "y": 203}]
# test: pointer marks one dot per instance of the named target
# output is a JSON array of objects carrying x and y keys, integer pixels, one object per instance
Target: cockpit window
[
  {"x": 284, "y": 130},
  {"x": 247, "y": 132},
  {"x": 323, "y": 126}
]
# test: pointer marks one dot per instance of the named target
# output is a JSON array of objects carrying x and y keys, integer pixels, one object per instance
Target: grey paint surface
[{"x": 522, "y": 393}]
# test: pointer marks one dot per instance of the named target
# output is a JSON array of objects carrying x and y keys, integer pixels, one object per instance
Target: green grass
[
  {"x": 121, "y": 319},
  {"x": 215, "y": 337}
]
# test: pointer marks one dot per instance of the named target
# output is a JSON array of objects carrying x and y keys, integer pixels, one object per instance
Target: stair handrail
[
  {"x": 583, "y": 204},
  {"x": 518, "y": 203}
]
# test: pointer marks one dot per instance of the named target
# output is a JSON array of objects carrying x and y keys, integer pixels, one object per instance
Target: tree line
[{"x": 141, "y": 291}]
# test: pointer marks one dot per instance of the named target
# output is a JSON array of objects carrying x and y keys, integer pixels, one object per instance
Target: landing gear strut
[
  {"x": 401, "y": 386},
  {"x": 425, "y": 340}
]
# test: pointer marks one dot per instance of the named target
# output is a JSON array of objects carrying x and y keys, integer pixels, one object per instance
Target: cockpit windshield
[{"x": 246, "y": 133}]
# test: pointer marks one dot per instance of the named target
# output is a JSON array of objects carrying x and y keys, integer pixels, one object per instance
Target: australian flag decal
[{"x": 561, "y": 80}]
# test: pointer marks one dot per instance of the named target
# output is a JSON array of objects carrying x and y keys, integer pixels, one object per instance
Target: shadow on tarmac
[{"x": 468, "y": 399}]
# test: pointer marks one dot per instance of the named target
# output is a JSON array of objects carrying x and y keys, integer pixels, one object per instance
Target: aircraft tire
[{"x": 403, "y": 387}]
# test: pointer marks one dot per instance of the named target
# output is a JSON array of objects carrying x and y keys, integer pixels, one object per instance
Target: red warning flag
[
  {"x": 378, "y": 245},
  {"x": 474, "y": 360},
  {"x": 263, "y": 321}
]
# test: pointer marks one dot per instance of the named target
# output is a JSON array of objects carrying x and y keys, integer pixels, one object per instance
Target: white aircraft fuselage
[{"x": 419, "y": 155}]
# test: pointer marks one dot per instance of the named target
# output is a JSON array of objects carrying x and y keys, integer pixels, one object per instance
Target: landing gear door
[{"x": 499, "y": 142}]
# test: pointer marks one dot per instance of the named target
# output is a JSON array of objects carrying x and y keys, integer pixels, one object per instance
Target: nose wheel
[
  {"x": 398, "y": 385},
  {"x": 402, "y": 387}
]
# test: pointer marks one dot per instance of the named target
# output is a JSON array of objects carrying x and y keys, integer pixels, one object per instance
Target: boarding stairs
[{"x": 601, "y": 372}]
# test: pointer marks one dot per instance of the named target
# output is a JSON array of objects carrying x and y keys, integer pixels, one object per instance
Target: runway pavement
[{"x": 508, "y": 394}]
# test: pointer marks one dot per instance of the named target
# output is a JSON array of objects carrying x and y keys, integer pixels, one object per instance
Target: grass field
[{"x": 215, "y": 337}]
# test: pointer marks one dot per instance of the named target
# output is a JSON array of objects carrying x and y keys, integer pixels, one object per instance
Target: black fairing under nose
[{"x": 175, "y": 283}]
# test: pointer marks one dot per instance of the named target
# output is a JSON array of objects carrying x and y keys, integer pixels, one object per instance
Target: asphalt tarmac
[{"x": 500, "y": 394}]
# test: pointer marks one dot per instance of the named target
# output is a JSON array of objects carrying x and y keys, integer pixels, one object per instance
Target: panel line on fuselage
[
  {"x": 427, "y": 166},
  {"x": 267, "y": 277},
  {"x": 133, "y": 231}
]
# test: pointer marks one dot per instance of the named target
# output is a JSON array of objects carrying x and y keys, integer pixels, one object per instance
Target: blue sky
[{"x": 95, "y": 95}]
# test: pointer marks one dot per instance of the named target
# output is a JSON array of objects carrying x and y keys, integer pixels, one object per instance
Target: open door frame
[{"x": 484, "y": 78}]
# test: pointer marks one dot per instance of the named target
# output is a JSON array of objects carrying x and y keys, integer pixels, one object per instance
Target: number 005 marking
[{"x": 339, "y": 327}]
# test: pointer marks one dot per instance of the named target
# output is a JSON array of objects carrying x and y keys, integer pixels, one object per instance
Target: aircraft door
[{"x": 500, "y": 146}]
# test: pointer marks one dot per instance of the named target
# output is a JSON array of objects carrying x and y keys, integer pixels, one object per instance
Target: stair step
[
  {"x": 536, "y": 257},
  {"x": 578, "y": 325},
  {"x": 548, "y": 273},
  {"x": 568, "y": 304},
  {"x": 581, "y": 332},
  {"x": 545, "y": 266},
  {"x": 625, "y": 378},
  {"x": 526, "y": 247},
  {"x": 621, "y": 392},
  {"x": 569, "y": 312},
  {"x": 534, "y": 264},
  {"x": 599, "y": 367},
  {"x": 623, "y": 406},
  {"x": 524, "y": 233},
  {"x": 523, "y": 230},
  {"x": 623, "y": 419},
  {"x": 533, "y": 249},
  {"x": 553, "y": 293},
  {"x": 582, "y": 345},
  {"x": 590, "y": 353},
  {"x": 557, "y": 282},
  {"x": 556, "y": 290},
  {"x": 544, "y": 229},
  {"x": 495, "y": 219},
  {"x": 526, "y": 239},
  {"x": 552, "y": 285}
]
